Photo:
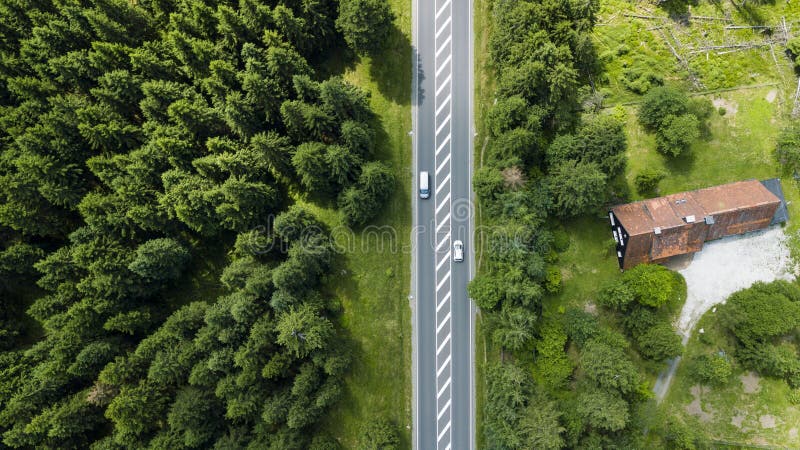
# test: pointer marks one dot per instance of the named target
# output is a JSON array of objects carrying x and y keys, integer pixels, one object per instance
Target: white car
[{"x": 458, "y": 251}]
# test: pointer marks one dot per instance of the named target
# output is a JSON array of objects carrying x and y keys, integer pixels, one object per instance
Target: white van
[{"x": 424, "y": 189}]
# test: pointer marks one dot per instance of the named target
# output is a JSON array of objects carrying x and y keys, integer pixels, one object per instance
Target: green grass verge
[
  {"x": 372, "y": 278},
  {"x": 484, "y": 97}
]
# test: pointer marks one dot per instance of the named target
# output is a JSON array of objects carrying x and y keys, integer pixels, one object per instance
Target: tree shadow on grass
[
  {"x": 391, "y": 68},
  {"x": 682, "y": 163},
  {"x": 749, "y": 11}
]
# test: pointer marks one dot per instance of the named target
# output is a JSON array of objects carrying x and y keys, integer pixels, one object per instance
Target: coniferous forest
[{"x": 142, "y": 140}]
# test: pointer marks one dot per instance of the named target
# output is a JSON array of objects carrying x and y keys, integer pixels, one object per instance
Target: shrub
[
  {"x": 616, "y": 295},
  {"x": 794, "y": 396},
  {"x": 787, "y": 150},
  {"x": 711, "y": 369},
  {"x": 722, "y": 111},
  {"x": 652, "y": 285},
  {"x": 378, "y": 435},
  {"x": 485, "y": 291},
  {"x": 647, "y": 180},
  {"x": 560, "y": 240},
  {"x": 553, "y": 367},
  {"x": 553, "y": 280},
  {"x": 660, "y": 342},
  {"x": 794, "y": 48}
]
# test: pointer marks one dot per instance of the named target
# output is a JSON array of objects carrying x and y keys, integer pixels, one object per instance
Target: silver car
[{"x": 458, "y": 251}]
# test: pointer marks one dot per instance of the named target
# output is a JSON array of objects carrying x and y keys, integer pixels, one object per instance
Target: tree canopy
[{"x": 147, "y": 153}]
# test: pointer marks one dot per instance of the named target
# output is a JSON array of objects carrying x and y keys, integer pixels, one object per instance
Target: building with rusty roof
[{"x": 653, "y": 230}]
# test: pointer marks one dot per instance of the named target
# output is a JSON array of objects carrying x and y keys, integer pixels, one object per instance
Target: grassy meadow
[{"x": 373, "y": 278}]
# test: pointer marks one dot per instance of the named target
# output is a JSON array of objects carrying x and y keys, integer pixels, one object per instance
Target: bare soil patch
[
  {"x": 731, "y": 107},
  {"x": 750, "y": 383},
  {"x": 771, "y": 95},
  {"x": 737, "y": 420},
  {"x": 767, "y": 421},
  {"x": 695, "y": 408}
]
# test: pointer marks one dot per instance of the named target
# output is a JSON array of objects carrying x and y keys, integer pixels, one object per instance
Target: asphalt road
[{"x": 443, "y": 314}]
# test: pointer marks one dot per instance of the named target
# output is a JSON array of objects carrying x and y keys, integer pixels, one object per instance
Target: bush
[
  {"x": 660, "y": 342},
  {"x": 580, "y": 325},
  {"x": 378, "y": 435},
  {"x": 553, "y": 280},
  {"x": 722, "y": 111},
  {"x": 484, "y": 289},
  {"x": 553, "y": 367},
  {"x": 647, "y": 180},
  {"x": 787, "y": 150},
  {"x": 794, "y": 396},
  {"x": 616, "y": 295},
  {"x": 652, "y": 285},
  {"x": 560, "y": 240},
  {"x": 794, "y": 48},
  {"x": 711, "y": 369}
]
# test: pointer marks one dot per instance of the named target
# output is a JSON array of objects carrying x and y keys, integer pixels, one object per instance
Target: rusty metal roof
[{"x": 673, "y": 210}]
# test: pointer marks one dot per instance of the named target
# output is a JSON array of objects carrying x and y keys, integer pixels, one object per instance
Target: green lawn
[
  {"x": 739, "y": 146},
  {"x": 371, "y": 280}
]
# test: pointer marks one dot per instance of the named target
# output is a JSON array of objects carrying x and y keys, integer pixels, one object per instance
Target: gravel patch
[{"x": 730, "y": 264}]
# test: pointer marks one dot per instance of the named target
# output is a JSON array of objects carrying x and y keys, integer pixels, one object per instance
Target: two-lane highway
[{"x": 442, "y": 141}]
